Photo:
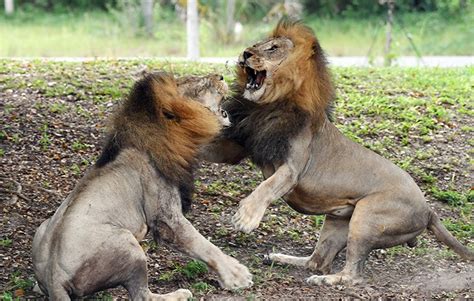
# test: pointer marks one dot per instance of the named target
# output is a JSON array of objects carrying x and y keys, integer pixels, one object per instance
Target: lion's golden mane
[{"x": 302, "y": 77}]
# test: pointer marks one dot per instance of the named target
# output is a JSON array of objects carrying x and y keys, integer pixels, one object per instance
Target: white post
[
  {"x": 192, "y": 30},
  {"x": 9, "y": 7}
]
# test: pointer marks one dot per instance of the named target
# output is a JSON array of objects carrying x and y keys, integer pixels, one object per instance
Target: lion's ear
[
  {"x": 317, "y": 50},
  {"x": 315, "y": 47}
]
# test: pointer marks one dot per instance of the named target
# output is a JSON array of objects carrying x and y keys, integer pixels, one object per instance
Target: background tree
[
  {"x": 230, "y": 11},
  {"x": 147, "y": 9},
  {"x": 192, "y": 30},
  {"x": 9, "y": 7}
]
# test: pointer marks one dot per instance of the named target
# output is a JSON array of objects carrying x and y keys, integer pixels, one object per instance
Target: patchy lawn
[{"x": 53, "y": 116}]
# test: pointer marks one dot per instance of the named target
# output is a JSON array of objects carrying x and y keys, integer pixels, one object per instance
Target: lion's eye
[
  {"x": 224, "y": 113},
  {"x": 273, "y": 48},
  {"x": 169, "y": 115}
]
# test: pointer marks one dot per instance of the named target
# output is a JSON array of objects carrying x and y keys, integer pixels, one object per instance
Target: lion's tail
[{"x": 447, "y": 238}]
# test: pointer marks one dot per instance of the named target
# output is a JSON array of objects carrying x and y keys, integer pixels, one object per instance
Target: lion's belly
[{"x": 304, "y": 203}]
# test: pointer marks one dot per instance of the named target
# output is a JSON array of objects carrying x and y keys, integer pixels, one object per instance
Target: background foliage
[
  {"x": 254, "y": 9},
  {"x": 344, "y": 27}
]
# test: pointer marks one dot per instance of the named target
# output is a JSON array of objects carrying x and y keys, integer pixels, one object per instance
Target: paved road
[{"x": 360, "y": 61}]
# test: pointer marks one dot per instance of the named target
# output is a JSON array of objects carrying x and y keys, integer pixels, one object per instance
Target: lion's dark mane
[
  {"x": 140, "y": 102},
  {"x": 264, "y": 130}
]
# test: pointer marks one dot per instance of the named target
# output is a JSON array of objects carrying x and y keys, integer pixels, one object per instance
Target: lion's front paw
[
  {"x": 249, "y": 215},
  {"x": 234, "y": 275}
]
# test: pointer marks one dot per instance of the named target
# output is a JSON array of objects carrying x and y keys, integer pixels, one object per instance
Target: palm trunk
[
  {"x": 230, "y": 9},
  {"x": 192, "y": 29},
  {"x": 9, "y": 7},
  {"x": 147, "y": 9},
  {"x": 388, "y": 41}
]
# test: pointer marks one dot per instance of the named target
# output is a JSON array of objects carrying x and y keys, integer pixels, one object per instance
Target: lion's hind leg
[
  {"x": 131, "y": 269},
  {"x": 332, "y": 240},
  {"x": 371, "y": 227}
]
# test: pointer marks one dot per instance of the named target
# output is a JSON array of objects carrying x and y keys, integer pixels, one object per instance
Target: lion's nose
[{"x": 247, "y": 55}]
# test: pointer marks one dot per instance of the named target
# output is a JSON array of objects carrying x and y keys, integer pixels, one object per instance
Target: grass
[
  {"x": 401, "y": 113},
  {"x": 5, "y": 243},
  {"x": 191, "y": 271},
  {"x": 99, "y": 33},
  {"x": 385, "y": 109},
  {"x": 16, "y": 287}
]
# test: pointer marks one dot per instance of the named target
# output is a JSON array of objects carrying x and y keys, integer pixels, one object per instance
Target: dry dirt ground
[{"x": 49, "y": 140}]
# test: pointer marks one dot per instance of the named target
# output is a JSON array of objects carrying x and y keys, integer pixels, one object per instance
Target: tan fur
[
  {"x": 197, "y": 87},
  {"x": 209, "y": 90},
  {"x": 137, "y": 186},
  {"x": 368, "y": 202},
  {"x": 305, "y": 61},
  {"x": 173, "y": 143}
]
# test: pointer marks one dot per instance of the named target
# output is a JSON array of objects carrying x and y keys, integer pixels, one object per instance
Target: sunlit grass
[
  {"x": 88, "y": 34},
  {"x": 103, "y": 34},
  {"x": 430, "y": 33}
]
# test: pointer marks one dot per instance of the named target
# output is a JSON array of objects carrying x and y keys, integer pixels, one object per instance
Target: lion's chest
[{"x": 313, "y": 204}]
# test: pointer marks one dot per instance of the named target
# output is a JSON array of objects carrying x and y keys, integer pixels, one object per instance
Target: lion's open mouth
[{"x": 255, "y": 79}]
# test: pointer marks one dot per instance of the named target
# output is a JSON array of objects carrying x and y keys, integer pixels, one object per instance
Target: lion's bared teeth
[{"x": 255, "y": 78}]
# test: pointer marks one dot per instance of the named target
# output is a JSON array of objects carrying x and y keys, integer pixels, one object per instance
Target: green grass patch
[
  {"x": 460, "y": 228},
  {"x": 6, "y": 242},
  {"x": 452, "y": 198},
  {"x": 16, "y": 286},
  {"x": 192, "y": 270},
  {"x": 202, "y": 287}
]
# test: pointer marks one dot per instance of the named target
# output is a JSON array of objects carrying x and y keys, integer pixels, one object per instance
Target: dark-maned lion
[
  {"x": 280, "y": 119},
  {"x": 138, "y": 185}
]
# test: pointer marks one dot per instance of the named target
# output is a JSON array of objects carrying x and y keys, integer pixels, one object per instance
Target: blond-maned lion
[
  {"x": 280, "y": 119},
  {"x": 139, "y": 184}
]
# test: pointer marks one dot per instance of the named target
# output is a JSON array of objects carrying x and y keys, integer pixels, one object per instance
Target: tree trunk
[
  {"x": 147, "y": 9},
  {"x": 388, "y": 40},
  {"x": 9, "y": 7},
  {"x": 230, "y": 10},
  {"x": 192, "y": 29}
]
